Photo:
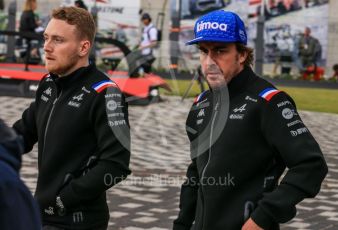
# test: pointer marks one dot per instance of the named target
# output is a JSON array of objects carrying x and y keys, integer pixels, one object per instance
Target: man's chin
[
  {"x": 217, "y": 84},
  {"x": 50, "y": 66},
  {"x": 51, "y": 70}
]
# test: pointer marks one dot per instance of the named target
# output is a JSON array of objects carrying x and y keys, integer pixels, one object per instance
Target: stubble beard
[
  {"x": 63, "y": 70},
  {"x": 224, "y": 79},
  {"x": 235, "y": 72}
]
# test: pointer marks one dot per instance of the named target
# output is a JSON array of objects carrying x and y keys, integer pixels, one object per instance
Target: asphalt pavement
[{"x": 149, "y": 198}]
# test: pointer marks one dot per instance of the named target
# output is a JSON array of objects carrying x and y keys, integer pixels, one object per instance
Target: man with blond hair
[{"x": 80, "y": 120}]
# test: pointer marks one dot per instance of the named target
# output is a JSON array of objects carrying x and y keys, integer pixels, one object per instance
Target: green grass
[{"x": 311, "y": 99}]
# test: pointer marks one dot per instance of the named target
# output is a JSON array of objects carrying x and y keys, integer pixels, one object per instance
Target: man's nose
[
  {"x": 47, "y": 46},
  {"x": 210, "y": 60}
]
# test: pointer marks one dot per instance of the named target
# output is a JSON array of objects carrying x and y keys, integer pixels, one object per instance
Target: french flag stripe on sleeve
[
  {"x": 197, "y": 99},
  {"x": 98, "y": 87},
  {"x": 268, "y": 93}
]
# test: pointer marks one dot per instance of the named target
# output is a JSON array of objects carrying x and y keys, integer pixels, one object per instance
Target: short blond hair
[{"x": 81, "y": 18}]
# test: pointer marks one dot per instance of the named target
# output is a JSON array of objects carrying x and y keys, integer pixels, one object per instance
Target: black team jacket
[
  {"x": 81, "y": 124},
  {"x": 255, "y": 133}
]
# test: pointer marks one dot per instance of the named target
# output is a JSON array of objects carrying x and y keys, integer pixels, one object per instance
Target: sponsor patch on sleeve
[
  {"x": 98, "y": 87},
  {"x": 268, "y": 93}
]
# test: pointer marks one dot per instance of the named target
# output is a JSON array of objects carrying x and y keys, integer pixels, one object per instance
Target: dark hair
[
  {"x": 80, "y": 3},
  {"x": 82, "y": 19},
  {"x": 146, "y": 16},
  {"x": 335, "y": 67},
  {"x": 241, "y": 48}
]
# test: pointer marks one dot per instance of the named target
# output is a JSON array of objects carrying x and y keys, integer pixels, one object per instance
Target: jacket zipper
[
  {"x": 209, "y": 157},
  {"x": 48, "y": 122}
]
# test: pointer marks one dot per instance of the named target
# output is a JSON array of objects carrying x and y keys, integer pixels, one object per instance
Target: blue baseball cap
[{"x": 219, "y": 26}]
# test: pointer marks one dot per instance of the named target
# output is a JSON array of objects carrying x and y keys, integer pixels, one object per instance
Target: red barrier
[
  {"x": 315, "y": 73},
  {"x": 138, "y": 87}
]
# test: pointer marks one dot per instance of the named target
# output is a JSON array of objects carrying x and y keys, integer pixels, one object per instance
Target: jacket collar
[
  {"x": 238, "y": 83},
  {"x": 68, "y": 80}
]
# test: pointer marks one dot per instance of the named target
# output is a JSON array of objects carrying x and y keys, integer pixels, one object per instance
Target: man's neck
[{"x": 76, "y": 67}]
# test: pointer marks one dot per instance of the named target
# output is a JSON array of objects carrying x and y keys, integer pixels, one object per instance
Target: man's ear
[
  {"x": 242, "y": 57},
  {"x": 84, "y": 48}
]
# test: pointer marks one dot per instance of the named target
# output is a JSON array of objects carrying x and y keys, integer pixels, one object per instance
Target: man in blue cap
[{"x": 244, "y": 133}]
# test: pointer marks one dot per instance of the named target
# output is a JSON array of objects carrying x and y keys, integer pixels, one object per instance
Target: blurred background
[{"x": 283, "y": 22}]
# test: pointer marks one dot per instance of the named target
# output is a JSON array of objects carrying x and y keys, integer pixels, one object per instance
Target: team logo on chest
[
  {"x": 201, "y": 113},
  {"x": 76, "y": 100},
  {"x": 240, "y": 109},
  {"x": 46, "y": 94},
  {"x": 238, "y": 113}
]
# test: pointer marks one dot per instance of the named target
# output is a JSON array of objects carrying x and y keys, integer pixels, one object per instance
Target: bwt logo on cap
[{"x": 211, "y": 25}]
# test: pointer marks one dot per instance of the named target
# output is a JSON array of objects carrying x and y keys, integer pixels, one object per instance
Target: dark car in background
[{"x": 198, "y": 7}]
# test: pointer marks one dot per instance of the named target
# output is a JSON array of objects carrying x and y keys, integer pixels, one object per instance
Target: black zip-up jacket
[
  {"x": 255, "y": 133},
  {"x": 81, "y": 124}
]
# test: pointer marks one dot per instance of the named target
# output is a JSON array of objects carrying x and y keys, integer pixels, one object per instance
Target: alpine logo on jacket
[
  {"x": 238, "y": 113},
  {"x": 201, "y": 113},
  {"x": 47, "y": 93},
  {"x": 49, "y": 211},
  {"x": 76, "y": 100},
  {"x": 240, "y": 109}
]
